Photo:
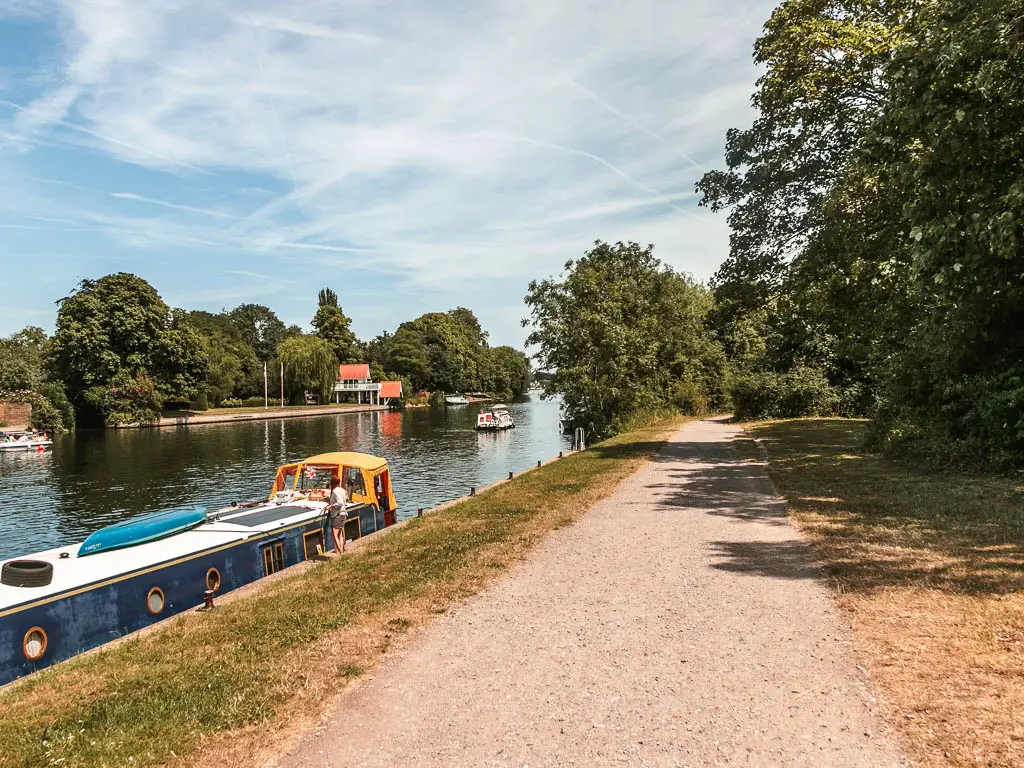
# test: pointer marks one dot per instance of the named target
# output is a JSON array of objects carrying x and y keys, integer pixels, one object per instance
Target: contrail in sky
[{"x": 633, "y": 121}]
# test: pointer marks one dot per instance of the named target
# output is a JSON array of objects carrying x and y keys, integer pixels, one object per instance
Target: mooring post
[
  {"x": 419, "y": 512},
  {"x": 538, "y": 463},
  {"x": 472, "y": 491},
  {"x": 509, "y": 475},
  {"x": 559, "y": 454}
]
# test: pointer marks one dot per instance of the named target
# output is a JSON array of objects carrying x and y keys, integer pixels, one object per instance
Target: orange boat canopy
[{"x": 365, "y": 478}]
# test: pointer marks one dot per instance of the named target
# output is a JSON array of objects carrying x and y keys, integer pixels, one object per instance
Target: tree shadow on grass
[{"x": 877, "y": 524}]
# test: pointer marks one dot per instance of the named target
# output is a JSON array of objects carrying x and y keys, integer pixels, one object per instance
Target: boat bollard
[
  {"x": 510, "y": 475},
  {"x": 419, "y": 512},
  {"x": 538, "y": 463},
  {"x": 208, "y": 600},
  {"x": 559, "y": 454},
  {"x": 472, "y": 491}
]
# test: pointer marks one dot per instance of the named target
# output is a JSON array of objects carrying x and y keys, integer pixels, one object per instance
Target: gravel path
[{"x": 678, "y": 623}]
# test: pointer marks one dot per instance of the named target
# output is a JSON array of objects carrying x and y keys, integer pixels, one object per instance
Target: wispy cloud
[{"x": 175, "y": 206}]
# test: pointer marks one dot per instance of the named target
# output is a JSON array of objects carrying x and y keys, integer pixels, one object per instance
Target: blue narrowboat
[{"x": 59, "y": 603}]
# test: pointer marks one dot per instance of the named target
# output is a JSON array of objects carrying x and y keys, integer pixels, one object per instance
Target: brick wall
[{"x": 15, "y": 415}]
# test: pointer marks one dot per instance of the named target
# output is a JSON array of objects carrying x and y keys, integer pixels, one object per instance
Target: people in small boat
[{"x": 337, "y": 514}]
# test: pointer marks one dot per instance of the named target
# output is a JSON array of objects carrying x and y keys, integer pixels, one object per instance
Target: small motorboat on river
[
  {"x": 494, "y": 419},
  {"x": 456, "y": 400},
  {"x": 59, "y": 603},
  {"x": 24, "y": 441}
]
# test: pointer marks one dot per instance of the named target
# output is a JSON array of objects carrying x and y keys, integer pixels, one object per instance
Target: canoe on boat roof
[{"x": 139, "y": 530}]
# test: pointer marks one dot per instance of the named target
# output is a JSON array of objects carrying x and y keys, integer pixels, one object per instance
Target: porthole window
[
  {"x": 213, "y": 579},
  {"x": 155, "y": 601},
  {"x": 35, "y": 644}
]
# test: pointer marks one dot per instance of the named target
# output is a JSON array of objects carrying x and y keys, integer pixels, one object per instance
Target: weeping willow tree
[{"x": 309, "y": 366}]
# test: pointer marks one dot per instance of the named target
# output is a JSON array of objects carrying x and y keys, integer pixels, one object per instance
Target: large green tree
[
  {"x": 261, "y": 329},
  {"x": 950, "y": 144},
  {"x": 234, "y": 369},
  {"x": 21, "y": 360},
  {"x": 623, "y": 334},
  {"x": 333, "y": 326},
  {"x": 116, "y": 333}
]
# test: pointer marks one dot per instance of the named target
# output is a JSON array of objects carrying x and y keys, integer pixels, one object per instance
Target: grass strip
[
  {"x": 930, "y": 568},
  {"x": 220, "y": 688}
]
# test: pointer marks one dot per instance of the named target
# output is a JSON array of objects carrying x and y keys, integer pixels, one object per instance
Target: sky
[{"x": 414, "y": 156}]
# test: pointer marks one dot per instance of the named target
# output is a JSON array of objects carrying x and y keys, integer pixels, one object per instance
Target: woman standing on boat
[{"x": 337, "y": 515}]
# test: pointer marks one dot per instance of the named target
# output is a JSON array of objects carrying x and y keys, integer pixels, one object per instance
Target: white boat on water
[
  {"x": 494, "y": 419},
  {"x": 456, "y": 400},
  {"x": 24, "y": 441}
]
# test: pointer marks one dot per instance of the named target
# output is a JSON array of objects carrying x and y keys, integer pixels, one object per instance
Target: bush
[
  {"x": 201, "y": 403},
  {"x": 802, "y": 391},
  {"x": 436, "y": 398},
  {"x": 55, "y": 394},
  {"x": 126, "y": 399}
]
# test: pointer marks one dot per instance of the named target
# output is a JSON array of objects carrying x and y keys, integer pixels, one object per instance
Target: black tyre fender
[{"x": 26, "y": 573}]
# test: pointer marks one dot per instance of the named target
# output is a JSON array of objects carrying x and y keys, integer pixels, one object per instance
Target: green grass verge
[{"x": 167, "y": 696}]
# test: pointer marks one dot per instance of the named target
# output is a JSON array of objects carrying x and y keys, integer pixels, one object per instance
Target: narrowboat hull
[{"x": 90, "y": 615}]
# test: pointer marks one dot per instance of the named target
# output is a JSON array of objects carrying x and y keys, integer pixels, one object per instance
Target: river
[{"x": 93, "y": 478}]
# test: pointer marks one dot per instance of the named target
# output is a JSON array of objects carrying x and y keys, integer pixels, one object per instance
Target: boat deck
[{"x": 73, "y": 572}]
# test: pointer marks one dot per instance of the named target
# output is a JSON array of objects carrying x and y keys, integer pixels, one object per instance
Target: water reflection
[{"x": 91, "y": 479}]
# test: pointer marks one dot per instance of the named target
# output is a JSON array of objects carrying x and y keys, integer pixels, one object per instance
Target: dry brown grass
[
  {"x": 235, "y": 686},
  {"x": 930, "y": 568}
]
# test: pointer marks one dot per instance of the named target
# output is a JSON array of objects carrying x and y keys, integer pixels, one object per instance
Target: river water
[{"x": 92, "y": 479}]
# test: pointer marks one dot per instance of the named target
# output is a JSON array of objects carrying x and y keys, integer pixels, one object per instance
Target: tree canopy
[
  {"x": 876, "y": 223},
  {"x": 118, "y": 344},
  {"x": 332, "y": 325},
  {"x": 624, "y": 334}
]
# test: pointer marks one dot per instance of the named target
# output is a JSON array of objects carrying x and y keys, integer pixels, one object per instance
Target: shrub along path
[{"x": 678, "y": 622}]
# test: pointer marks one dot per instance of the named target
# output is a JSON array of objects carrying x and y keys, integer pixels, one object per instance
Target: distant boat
[
  {"x": 456, "y": 400},
  {"x": 495, "y": 419},
  {"x": 24, "y": 441}
]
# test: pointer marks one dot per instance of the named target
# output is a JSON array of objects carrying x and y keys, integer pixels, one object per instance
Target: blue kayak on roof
[{"x": 139, "y": 530}]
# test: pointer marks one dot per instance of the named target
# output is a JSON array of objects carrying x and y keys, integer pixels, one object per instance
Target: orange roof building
[
  {"x": 390, "y": 389},
  {"x": 354, "y": 372}
]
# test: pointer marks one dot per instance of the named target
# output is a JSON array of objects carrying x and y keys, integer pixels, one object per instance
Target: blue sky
[{"x": 414, "y": 156}]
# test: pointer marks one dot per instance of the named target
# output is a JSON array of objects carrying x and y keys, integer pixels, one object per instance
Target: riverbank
[
  {"x": 225, "y": 415},
  {"x": 929, "y": 568},
  {"x": 218, "y": 688}
]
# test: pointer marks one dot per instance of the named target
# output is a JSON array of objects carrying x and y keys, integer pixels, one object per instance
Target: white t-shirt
[{"x": 339, "y": 498}]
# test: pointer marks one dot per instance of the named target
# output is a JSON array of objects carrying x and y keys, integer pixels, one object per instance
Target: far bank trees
[{"x": 121, "y": 351}]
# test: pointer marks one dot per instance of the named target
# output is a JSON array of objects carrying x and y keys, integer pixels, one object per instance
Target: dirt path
[{"x": 677, "y": 624}]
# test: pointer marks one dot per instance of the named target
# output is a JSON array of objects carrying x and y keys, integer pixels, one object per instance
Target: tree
[
  {"x": 950, "y": 144},
  {"x": 260, "y": 328},
  {"x": 809, "y": 280},
  {"x": 408, "y": 356},
  {"x": 233, "y": 370},
  {"x": 624, "y": 334},
  {"x": 21, "y": 365},
  {"x": 333, "y": 326},
  {"x": 309, "y": 365},
  {"x": 117, "y": 330},
  {"x": 820, "y": 91}
]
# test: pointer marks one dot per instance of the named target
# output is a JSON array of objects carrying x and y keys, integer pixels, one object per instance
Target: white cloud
[{"x": 448, "y": 141}]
